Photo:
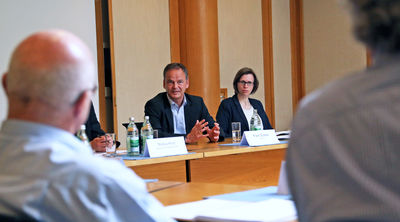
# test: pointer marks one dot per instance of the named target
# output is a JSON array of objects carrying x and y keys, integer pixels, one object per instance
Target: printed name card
[
  {"x": 168, "y": 146},
  {"x": 259, "y": 138}
]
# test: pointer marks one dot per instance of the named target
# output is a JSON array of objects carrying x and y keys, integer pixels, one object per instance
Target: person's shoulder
[
  {"x": 96, "y": 170},
  {"x": 255, "y": 101},
  {"x": 335, "y": 97},
  {"x": 159, "y": 96},
  {"x": 156, "y": 100},
  {"x": 228, "y": 102},
  {"x": 193, "y": 98}
]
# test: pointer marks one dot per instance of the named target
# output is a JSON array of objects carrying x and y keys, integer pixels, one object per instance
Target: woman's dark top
[{"x": 230, "y": 111}]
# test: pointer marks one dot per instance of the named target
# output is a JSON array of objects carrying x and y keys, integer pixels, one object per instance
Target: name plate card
[
  {"x": 168, "y": 146},
  {"x": 259, "y": 138}
]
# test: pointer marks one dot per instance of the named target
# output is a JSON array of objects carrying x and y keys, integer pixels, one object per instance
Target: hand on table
[
  {"x": 197, "y": 132},
  {"x": 99, "y": 143}
]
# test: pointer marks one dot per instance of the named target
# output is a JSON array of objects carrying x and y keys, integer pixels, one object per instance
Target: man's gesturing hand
[
  {"x": 213, "y": 134},
  {"x": 197, "y": 132}
]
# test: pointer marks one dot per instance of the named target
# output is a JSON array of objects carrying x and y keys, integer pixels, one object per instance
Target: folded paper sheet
[{"x": 227, "y": 210}]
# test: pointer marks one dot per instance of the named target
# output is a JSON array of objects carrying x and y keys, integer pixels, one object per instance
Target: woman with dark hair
[{"x": 239, "y": 108}]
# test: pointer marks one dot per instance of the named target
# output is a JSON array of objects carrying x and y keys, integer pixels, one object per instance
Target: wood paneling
[
  {"x": 255, "y": 168},
  {"x": 148, "y": 161},
  {"x": 268, "y": 60},
  {"x": 297, "y": 45},
  {"x": 213, "y": 163},
  {"x": 196, "y": 191},
  {"x": 113, "y": 79},
  {"x": 199, "y": 49},
  {"x": 161, "y": 185},
  {"x": 171, "y": 171},
  {"x": 100, "y": 65},
  {"x": 369, "y": 58},
  {"x": 174, "y": 30}
]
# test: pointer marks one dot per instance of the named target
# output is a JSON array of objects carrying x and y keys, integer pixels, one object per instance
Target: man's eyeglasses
[{"x": 246, "y": 83}]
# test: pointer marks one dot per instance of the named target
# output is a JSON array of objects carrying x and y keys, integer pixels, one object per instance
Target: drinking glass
[{"x": 236, "y": 132}]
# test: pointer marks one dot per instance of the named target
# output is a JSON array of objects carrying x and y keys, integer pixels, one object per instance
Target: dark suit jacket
[
  {"x": 93, "y": 128},
  {"x": 159, "y": 111},
  {"x": 230, "y": 111}
]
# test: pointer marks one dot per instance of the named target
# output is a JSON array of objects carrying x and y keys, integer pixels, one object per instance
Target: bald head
[
  {"x": 53, "y": 67},
  {"x": 50, "y": 78}
]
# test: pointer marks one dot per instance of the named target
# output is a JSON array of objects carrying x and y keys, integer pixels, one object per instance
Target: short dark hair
[
  {"x": 240, "y": 73},
  {"x": 175, "y": 65},
  {"x": 377, "y": 24}
]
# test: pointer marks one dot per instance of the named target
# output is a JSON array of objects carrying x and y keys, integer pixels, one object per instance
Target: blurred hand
[
  {"x": 213, "y": 134},
  {"x": 197, "y": 132},
  {"x": 99, "y": 144}
]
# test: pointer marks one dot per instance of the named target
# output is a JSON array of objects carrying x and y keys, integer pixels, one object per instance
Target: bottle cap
[
  {"x": 131, "y": 118},
  {"x": 83, "y": 127}
]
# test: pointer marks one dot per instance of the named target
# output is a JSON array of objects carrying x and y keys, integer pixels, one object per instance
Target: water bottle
[
  {"x": 255, "y": 121},
  {"x": 132, "y": 138},
  {"x": 82, "y": 135},
  {"x": 146, "y": 132}
]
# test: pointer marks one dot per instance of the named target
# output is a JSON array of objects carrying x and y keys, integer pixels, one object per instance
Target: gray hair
[
  {"x": 377, "y": 24},
  {"x": 56, "y": 75},
  {"x": 175, "y": 66}
]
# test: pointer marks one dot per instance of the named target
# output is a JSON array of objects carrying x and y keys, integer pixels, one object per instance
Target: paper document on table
[
  {"x": 188, "y": 211},
  {"x": 254, "y": 195},
  {"x": 225, "y": 210},
  {"x": 283, "y": 135}
]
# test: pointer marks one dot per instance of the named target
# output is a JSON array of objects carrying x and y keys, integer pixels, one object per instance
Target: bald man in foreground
[{"x": 46, "y": 173}]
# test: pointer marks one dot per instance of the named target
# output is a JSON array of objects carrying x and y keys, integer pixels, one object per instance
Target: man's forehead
[{"x": 175, "y": 74}]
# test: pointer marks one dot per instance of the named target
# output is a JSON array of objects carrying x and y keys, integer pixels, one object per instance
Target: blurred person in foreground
[
  {"x": 343, "y": 159},
  {"x": 46, "y": 173}
]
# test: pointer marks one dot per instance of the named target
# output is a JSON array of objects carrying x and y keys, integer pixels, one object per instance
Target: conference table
[
  {"x": 218, "y": 163},
  {"x": 171, "y": 193}
]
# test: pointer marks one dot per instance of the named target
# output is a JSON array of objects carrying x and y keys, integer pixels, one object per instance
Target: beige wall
[
  {"x": 282, "y": 64},
  {"x": 18, "y": 19},
  {"x": 329, "y": 47},
  {"x": 142, "y": 49},
  {"x": 240, "y": 41}
]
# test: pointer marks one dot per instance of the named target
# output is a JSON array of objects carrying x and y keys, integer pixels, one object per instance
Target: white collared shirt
[
  {"x": 50, "y": 175},
  {"x": 178, "y": 114}
]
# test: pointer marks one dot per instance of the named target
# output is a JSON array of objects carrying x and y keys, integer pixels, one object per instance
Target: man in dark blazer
[
  {"x": 175, "y": 113},
  {"x": 93, "y": 128},
  {"x": 94, "y": 132}
]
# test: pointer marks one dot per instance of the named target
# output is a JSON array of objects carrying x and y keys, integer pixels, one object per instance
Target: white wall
[
  {"x": 141, "y": 51},
  {"x": 20, "y": 18},
  {"x": 240, "y": 42},
  {"x": 330, "y": 50}
]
